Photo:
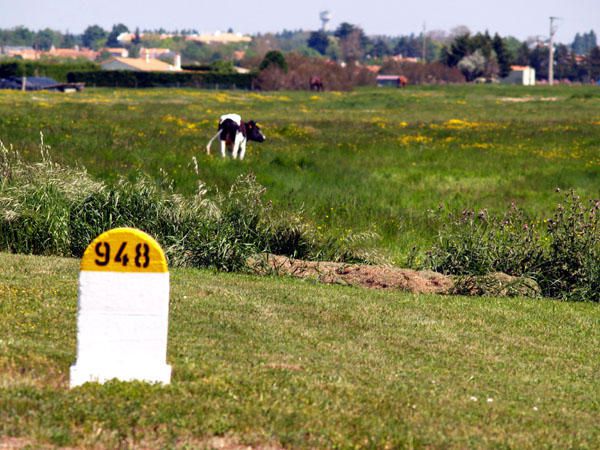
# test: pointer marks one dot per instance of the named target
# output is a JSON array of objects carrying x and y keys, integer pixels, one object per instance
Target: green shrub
[
  {"x": 573, "y": 259},
  {"x": 475, "y": 243},
  {"x": 274, "y": 58},
  {"x": 127, "y": 204},
  {"x": 290, "y": 236},
  {"x": 562, "y": 253},
  {"x": 194, "y": 232}
]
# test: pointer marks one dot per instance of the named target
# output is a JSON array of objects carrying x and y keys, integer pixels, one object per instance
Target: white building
[
  {"x": 523, "y": 75},
  {"x": 218, "y": 38},
  {"x": 146, "y": 64}
]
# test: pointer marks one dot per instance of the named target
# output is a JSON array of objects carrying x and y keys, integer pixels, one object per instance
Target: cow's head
[{"x": 253, "y": 132}]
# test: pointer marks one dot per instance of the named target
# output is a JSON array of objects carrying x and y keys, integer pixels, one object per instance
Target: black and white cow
[{"x": 234, "y": 133}]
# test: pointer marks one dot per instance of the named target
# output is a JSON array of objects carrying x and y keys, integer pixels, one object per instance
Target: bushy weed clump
[
  {"x": 561, "y": 253},
  {"x": 49, "y": 209},
  {"x": 35, "y": 200}
]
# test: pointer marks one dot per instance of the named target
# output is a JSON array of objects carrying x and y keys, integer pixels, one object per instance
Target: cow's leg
[
  {"x": 211, "y": 141},
  {"x": 243, "y": 148},
  {"x": 223, "y": 148},
  {"x": 239, "y": 138}
]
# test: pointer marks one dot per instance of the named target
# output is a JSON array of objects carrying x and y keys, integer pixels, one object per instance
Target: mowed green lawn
[
  {"x": 283, "y": 362},
  {"x": 370, "y": 160}
]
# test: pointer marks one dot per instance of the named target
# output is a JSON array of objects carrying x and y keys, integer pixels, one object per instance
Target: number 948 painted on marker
[
  {"x": 141, "y": 258},
  {"x": 124, "y": 250}
]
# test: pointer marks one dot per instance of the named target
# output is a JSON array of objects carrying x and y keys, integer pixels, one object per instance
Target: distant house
[
  {"x": 402, "y": 59},
  {"x": 141, "y": 64},
  {"x": 84, "y": 53},
  {"x": 32, "y": 54},
  {"x": 218, "y": 38},
  {"x": 116, "y": 51},
  {"x": 155, "y": 52},
  {"x": 391, "y": 81},
  {"x": 523, "y": 75},
  {"x": 20, "y": 52}
]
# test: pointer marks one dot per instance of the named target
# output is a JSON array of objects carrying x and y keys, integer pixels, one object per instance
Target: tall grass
[
  {"x": 52, "y": 210},
  {"x": 35, "y": 199}
]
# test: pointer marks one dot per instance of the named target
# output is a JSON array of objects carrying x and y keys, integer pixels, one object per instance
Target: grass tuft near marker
[{"x": 122, "y": 321}]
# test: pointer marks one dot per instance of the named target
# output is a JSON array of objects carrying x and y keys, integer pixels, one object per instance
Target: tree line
[
  {"x": 474, "y": 55},
  {"x": 482, "y": 55}
]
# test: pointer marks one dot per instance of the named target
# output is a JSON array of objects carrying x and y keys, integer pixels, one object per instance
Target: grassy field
[
  {"x": 374, "y": 159},
  {"x": 283, "y": 362}
]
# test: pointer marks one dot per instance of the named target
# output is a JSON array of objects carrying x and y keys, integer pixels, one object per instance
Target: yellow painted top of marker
[{"x": 124, "y": 250}]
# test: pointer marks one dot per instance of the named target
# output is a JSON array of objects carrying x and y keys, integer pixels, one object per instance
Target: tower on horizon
[{"x": 325, "y": 17}]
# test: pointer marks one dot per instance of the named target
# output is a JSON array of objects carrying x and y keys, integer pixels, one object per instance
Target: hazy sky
[{"x": 520, "y": 18}]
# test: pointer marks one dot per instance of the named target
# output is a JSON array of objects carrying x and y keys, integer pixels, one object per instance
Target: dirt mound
[
  {"x": 374, "y": 277},
  {"x": 388, "y": 277}
]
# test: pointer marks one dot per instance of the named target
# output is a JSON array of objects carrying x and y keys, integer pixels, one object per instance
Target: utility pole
[
  {"x": 551, "y": 53},
  {"x": 424, "y": 50}
]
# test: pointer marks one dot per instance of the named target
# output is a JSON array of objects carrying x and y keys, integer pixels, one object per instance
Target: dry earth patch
[{"x": 389, "y": 277}]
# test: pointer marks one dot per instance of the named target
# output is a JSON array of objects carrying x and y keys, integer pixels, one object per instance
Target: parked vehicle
[{"x": 39, "y": 83}]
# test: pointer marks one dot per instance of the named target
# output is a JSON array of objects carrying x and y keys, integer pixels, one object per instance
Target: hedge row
[
  {"x": 130, "y": 79},
  {"x": 55, "y": 70}
]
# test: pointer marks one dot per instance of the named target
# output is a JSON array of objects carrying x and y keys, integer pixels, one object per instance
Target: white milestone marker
[{"x": 122, "y": 320}]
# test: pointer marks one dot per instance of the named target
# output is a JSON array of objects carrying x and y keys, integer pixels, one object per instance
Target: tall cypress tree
[
  {"x": 564, "y": 63},
  {"x": 591, "y": 41},
  {"x": 502, "y": 55},
  {"x": 577, "y": 45},
  {"x": 523, "y": 55},
  {"x": 319, "y": 41},
  {"x": 114, "y": 34},
  {"x": 538, "y": 59},
  {"x": 584, "y": 43},
  {"x": 459, "y": 48},
  {"x": 483, "y": 42}
]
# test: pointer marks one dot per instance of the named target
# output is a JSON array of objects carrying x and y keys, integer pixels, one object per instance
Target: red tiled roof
[
  {"x": 373, "y": 69},
  {"x": 144, "y": 65}
]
